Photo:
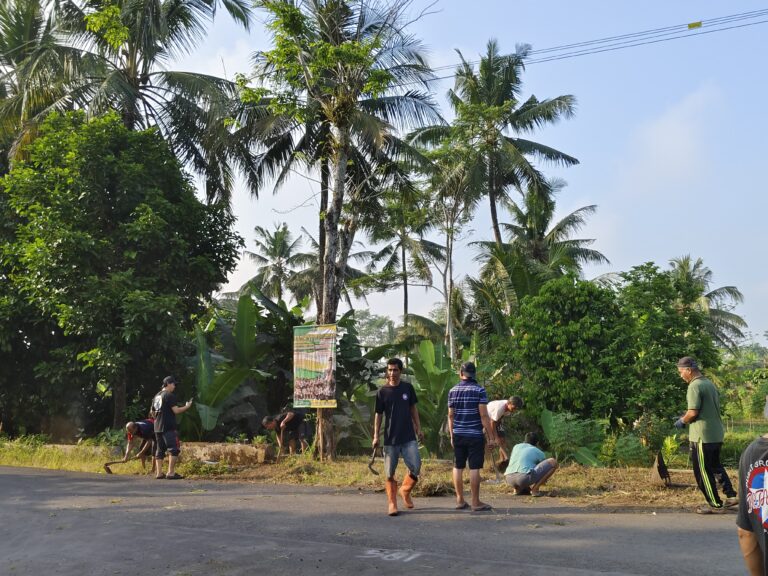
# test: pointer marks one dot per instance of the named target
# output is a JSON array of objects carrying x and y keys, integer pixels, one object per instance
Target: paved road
[{"x": 55, "y": 523}]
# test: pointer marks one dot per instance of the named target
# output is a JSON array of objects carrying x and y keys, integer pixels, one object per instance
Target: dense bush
[
  {"x": 571, "y": 438},
  {"x": 733, "y": 445}
]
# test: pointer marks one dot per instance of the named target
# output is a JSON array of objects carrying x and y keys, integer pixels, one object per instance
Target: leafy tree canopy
[
  {"x": 571, "y": 345},
  {"x": 664, "y": 327},
  {"x": 114, "y": 246}
]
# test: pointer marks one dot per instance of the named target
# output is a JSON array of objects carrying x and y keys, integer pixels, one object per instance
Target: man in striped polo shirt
[{"x": 467, "y": 416}]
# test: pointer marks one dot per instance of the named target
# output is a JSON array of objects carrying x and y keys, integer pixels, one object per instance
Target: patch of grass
[
  {"x": 22, "y": 452},
  {"x": 609, "y": 488}
]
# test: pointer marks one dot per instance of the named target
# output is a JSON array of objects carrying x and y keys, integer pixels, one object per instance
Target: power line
[
  {"x": 630, "y": 40},
  {"x": 621, "y": 46}
]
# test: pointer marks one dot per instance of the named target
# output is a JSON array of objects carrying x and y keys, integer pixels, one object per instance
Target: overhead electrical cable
[{"x": 630, "y": 40}]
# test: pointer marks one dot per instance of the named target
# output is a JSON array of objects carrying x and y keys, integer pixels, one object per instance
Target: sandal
[
  {"x": 462, "y": 506},
  {"x": 483, "y": 508},
  {"x": 174, "y": 476},
  {"x": 161, "y": 477}
]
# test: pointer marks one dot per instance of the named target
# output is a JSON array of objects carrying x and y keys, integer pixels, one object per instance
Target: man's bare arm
[
  {"x": 750, "y": 549},
  {"x": 490, "y": 430}
]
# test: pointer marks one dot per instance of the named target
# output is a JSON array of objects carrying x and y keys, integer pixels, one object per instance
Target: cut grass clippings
[{"x": 605, "y": 488}]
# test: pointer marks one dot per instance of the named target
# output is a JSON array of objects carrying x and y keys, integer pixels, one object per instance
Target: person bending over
[{"x": 529, "y": 468}]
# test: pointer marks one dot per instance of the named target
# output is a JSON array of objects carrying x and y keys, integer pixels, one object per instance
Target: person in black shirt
[
  {"x": 290, "y": 427},
  {"x": 144, "y": 430},
  {"x": 164, "y": 410},
  {"x": 398, "y": 400}
]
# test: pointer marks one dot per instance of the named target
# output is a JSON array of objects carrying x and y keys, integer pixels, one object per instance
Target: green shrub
[
  {"x": 652, "y": 430},
  {"x": 571, "y": 438},
  {"x": 260, "y": 441},
  {"x": 630, "y": 451},
  {"x": 241, "y": 438},
  {"x": 198, "y": 468},
  {"x": 607, "y": 454},
  {"x": 733, "y": 445},
  {"x": 108, "y": 437},
  {"x": 670, "y": 449},
  {"x": 33, "y": 440}
]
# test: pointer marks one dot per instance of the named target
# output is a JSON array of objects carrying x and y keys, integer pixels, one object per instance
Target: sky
[{"x": 670, "y": 136}]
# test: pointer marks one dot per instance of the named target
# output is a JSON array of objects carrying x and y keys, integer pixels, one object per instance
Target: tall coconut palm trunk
[{"x": 325, "y": 177}]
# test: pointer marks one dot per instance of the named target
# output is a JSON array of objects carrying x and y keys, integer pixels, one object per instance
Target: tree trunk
[
  {"x": 449, "y": 294},
  {"x": 119, "y": 397},
  {"x": 330, "y": 272},
  {"x": 330, "y": 300},
  {"x": 325, "y": 176},
  {"x": 405, "y": 283},
  {"x": 492, "y": 200}
]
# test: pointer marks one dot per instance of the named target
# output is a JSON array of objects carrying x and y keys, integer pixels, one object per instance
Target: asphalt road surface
[{"x": 55, "y": 523}]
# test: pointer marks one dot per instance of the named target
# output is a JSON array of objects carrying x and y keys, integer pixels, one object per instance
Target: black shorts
[
  {"x": 166, "y": 442},
  {"x": 468, "y": 448}
]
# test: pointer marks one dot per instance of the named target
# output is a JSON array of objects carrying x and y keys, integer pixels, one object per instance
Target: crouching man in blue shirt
[{"x": 529, "y": 468}]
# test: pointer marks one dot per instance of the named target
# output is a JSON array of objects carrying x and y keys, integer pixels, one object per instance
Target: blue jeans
[{"x": 410, "y": 453}]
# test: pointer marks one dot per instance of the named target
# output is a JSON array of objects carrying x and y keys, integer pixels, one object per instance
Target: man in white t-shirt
[{"x": 497, "y": 409}]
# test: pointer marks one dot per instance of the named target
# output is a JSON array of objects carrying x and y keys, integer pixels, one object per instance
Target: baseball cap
[
  {"x": 687, "y": 362},
  {"x": 469, "y": 369},
  {"x": 169, "y": 380}
]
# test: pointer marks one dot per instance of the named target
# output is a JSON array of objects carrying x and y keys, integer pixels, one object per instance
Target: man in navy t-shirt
[
  {"x": 398, "y": 400},
  {"x": 143, "y": 430},
  {"x": 467, "y": 416}
]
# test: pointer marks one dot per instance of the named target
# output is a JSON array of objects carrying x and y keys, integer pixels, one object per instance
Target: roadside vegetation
[
  {"x": 628, "y": 488},
  {"x": 111, "y": 260}
]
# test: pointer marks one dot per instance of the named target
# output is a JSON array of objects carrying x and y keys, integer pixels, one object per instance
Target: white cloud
[{"x": 671, "y": 152}]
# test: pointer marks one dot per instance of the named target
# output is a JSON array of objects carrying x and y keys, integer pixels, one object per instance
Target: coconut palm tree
[
  {"x": 717, "y": 303},
  {"x": 506, "y": 277},
  {"x": 34, "y": 67},
  {"x": 537, "y": 250},
  {"x": 408, "y": 254},
  {"x": 545, "y": 242},
  {"x": 357, "y": 282},
  {"x": 278, "y": 259},
  {"x": 455, "y": 192},
  {"x": 354, "y": 61},
  {"x": 492, "y": 118},
  {"x": 118, "y": 54}
]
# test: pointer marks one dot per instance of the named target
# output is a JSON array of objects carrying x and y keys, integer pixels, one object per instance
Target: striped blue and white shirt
[{"x": 465, "y": 399}]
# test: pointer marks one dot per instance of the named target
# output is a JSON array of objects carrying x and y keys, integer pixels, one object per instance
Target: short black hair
[
  {"x": 532, "y": 438},
  {"x": 267, "y": 420},
  {"x": 517, "y": 402},
  {"x": 395, "y": 362}
]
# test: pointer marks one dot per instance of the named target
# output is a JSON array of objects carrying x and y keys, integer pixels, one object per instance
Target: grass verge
[{"x": 609, "y": 488}]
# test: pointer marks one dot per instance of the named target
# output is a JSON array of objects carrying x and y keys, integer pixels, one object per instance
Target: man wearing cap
[
  {"x": 164, "y": 410},
  {"x": 706, "y": 436},
  {"x": 467, "y": 417}
]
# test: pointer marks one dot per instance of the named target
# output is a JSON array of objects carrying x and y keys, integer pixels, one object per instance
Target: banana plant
[
  {"x": 219, "y": 377},
  {"x": 434, "y": 378}
]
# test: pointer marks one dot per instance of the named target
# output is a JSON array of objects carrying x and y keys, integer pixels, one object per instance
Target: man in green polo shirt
[{"x": 705, "y": 433}]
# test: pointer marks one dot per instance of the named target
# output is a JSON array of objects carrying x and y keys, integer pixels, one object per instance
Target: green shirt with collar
[{"x": 703, "y": 396}]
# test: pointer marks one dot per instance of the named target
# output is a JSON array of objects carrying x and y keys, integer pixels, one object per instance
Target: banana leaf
[{"x": 208, "y": 416}]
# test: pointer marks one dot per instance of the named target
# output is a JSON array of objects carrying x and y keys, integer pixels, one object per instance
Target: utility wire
[
  {"x": 637, "y": 36},
  {"x": 620, "y": 46}
]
